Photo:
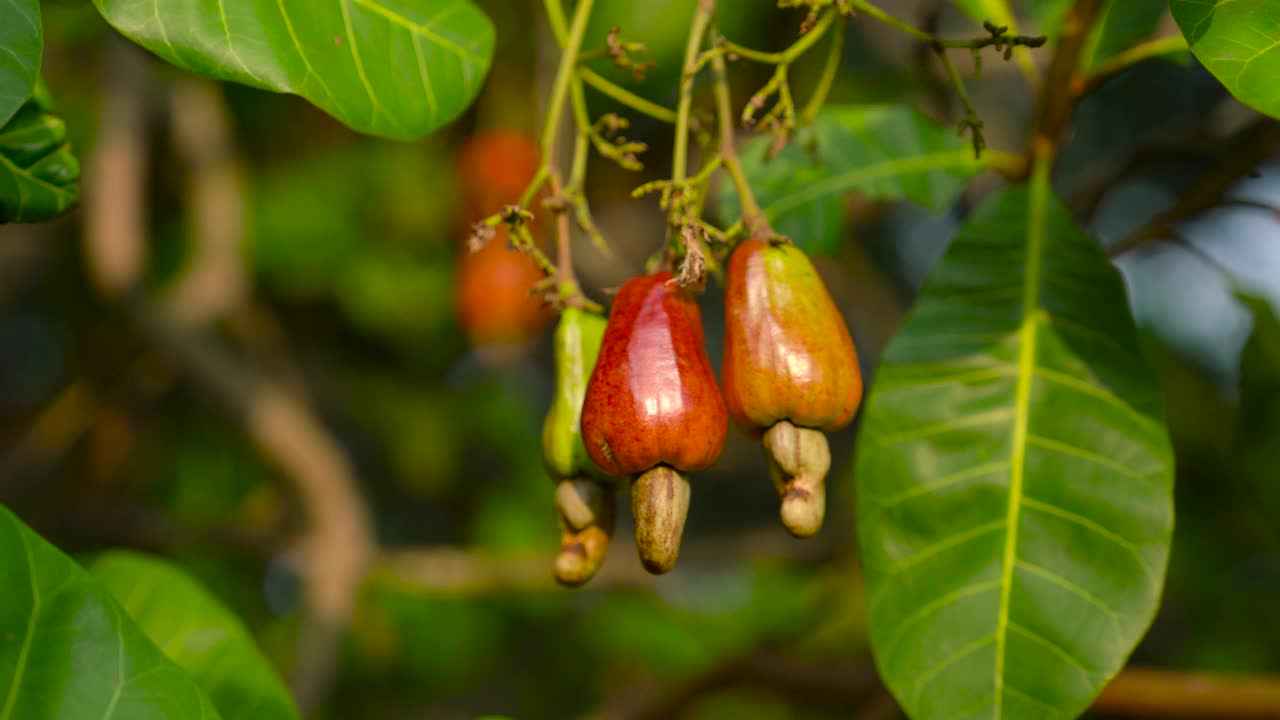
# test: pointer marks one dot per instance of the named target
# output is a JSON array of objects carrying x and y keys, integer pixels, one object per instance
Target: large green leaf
[
  {"x": 21, "y": 42},
  {"x": 1121, "y": 24},
  {"x": 1014, "y": 475},
  {"x": 1239, "y": 42},
  {"x": 39, "y": 174},
  {"x": 885, "y": 152},
  {"x": 396, "y": 68},
  {"x": 198, "y": 633},
  {"x": 68, "y": 651}
]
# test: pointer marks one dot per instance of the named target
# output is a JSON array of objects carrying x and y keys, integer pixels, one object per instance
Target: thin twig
[
  {"x": 835, "y": 53},
  {"x": 680, "y": 153},
  {"x": 754, "y": 219},
  {"x": 1243, "y": 154},
  {"x": 1120, "y": 62}
]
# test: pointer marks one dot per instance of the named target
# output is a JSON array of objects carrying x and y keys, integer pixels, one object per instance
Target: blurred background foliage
[{"x": 351, "y": 246}]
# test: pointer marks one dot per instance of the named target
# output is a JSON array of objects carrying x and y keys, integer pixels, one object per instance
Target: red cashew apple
[{"x": 653, "y": 409}]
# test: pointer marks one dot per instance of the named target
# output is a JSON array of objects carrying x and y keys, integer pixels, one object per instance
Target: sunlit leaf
[
  {"x": 1014, "y": 475},
  {"x": 21, "y": 42},
  {"x": 39, "y": 174},
  {"x": 884, "y": 152},
  {"x": 396, "y": 68},
  {"x": 1239, "y": 42},
  {"x": 198, "y": 633},
  {"x": 67, "y": 649},
  {"x": 996, "y": 11}
]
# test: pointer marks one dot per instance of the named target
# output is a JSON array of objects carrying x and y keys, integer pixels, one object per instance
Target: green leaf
[
  {"x": 198, "y": 633},
  {"x": 39, "y": 174},
  {"x": 396, "y": 68},
  {"x": 1046, "y": 15},
  {"x": 996, "y": 11},
  {"x": 1014, "y": 475},
  {"x": 885, "y": 152},
  {"x": 68, "y": 651},
  {"x": 817, "y": 226},
  {"x": 21, "y": 42},
  {"x": 1121, "y": 24},
  {"x": 1239, "y": 42}
]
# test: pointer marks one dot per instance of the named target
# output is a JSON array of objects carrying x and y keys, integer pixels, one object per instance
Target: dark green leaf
[
  {"x": 1239, "y": 42},
  {"x": 39, "y": 175},
  {"x": 21, "y": 43},
  {"x": 1121, "y": 24},
  {"x": 885, "y": 152},
  {"x": 395, "y": 68},
  {"x": 1014, "y": 475},
  {"x": 818, "y": 225},
  {"x": 68, "y": 651},
  {"x": 198, "y": 633}
]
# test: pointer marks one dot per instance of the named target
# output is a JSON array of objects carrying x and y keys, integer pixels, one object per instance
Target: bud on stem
[
  {"x": 659, "y": 506},
  {"x": 586, "y": 510},
  {"x": 799, "y": 459}
]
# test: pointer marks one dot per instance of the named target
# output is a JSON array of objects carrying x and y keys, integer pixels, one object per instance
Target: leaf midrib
[{"x": 1027, "y": 334}]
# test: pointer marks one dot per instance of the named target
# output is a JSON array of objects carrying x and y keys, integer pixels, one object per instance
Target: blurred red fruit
[{"x": 495, "y": 304}]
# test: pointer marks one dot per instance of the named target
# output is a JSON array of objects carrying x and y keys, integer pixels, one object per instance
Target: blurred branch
[
  {"x": 336, "y": 546},
  {"x": 449, "y": 570},
  {"x": 114, "y": 205},
  {"x": 213, "y": 284},
  {"x": 1134, "y": 692},
  {"x": 1056, "y": 102},
  {"x": 1242, "y": 155},
  {"x": 1173, "y": 694},
  {"x": 847, "y": 683}
]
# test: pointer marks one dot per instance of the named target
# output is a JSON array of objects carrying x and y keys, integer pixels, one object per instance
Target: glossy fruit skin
[
  {"x": 494, "y": 168},
  {"x": 788, "y": 354},
  {"x": 577, "y": 345},
  {"x": 493, "y": 296},
  {"x": 653, "y": 398}
]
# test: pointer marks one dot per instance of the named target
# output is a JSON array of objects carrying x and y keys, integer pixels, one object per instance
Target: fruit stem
[
  {"x": 757, "y": 224},
  {"x": 659, "y": 507},
  {"x": 564, "y": 74},
  {"x": 680, "y": 154},
  {"x": 835, "y": 52}
]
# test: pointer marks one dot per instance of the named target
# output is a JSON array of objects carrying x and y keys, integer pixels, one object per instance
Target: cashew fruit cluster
[{"x": 637, "y": 400}]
